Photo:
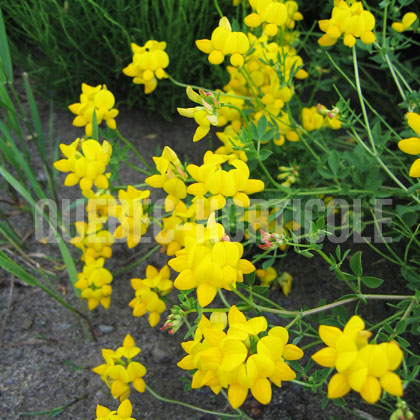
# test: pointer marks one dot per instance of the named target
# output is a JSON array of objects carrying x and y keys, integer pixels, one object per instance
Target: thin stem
[
  {"x": 394, "y": 76},
  {"x": 134, "y": 150},
  {"x": 180, "y": 84},
  {"x": 136, "y": 168},
  {"x": 216, "y": 5},
  {"x": 139, "y": 261},
  {"x": 362, "y": 102},
  {"x": 193, "y": 407}
]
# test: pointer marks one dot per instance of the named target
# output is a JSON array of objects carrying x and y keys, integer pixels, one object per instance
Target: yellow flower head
[
  {"x": 148, "y": 64},
  {"x": 94, "y": 283},
  {"x": 225, "y": 42},
  {"x": 412, "y": 144},
  {"x": 204, "y": 115},
  {"x": 148, "y": 291},
  {"x": 219, "y": 184},
  {"x": 239, "y": 359},
  {"x": 86, "y": 160},
  {"x": 351, "y": 21},
  {"x": 119, "y": 371},
  {"x": 171, "y": 178},
  {"x": 93, "y": 241},
  {"x": 96, "y": 99},
  {"x": 207, "y": 263},
  {"x": 406, "y": 22},
  {"x": 130, "y": 213},
  {"x": 365, "y": 368},
  {"x": 123, "y": 412}
]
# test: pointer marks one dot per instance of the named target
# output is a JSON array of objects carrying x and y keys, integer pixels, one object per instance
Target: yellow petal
[
  {"x": 237, "y": 395},
  {"x": 338, "y": 386},
  {"x": 410, "y": 146},
  {"x": 391, "y": 383},
  {"x": 371, "y": 390},
  {"x": 329, "y": 335},
  {"x": 125, "y": 409},
  {"x": 414, "y": 121},
  {"x": 415, "y": 169},
  {"x": 261, "y": 390}
]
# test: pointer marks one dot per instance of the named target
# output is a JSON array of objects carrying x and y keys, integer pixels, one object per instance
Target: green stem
[
  {"x": 139, "y": 261},
  {"x": 362, "y": 102},
  {"x": 136, "y": 168},
  {"x": 134, "y": 150},
  {"x": 193, "y": 407},
  {"x": 180, "y": 84},
  {"x": 216, "y": 5}
]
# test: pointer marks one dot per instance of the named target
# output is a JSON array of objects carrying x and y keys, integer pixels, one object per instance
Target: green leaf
[
  {"x": 334, "y": 162},
  {"x": 401, "y": 326},
  {"x": 371, "y": 282},
  {"x": 6, "y": 70},
  {"x": 356, "y": 264},
  {"x": 268, "y": 263},
  {"x": 95, "y": 135},
  {"x": 265, "y": 153},
  {"x": 261, "y": 126}
]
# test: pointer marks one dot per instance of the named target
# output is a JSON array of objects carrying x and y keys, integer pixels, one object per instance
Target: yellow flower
[
  {"x": 406, "y": 22},
  {"x": 130, "y": 213},
  {"x": 212, "y": 179},
  {"x": 148, "y": 291},
  {"x": 94, "y": 282},
  {"x": 94, "y": 99},
  {"x": 365, "y": 368},
  {"x": 171, "y": 178},
  {"x": 204, "y": 115},
  {"x": 123, "y": 412},
  {"x": 239, "y": 359},
  {"x": 352, "y": 21},
  {"x": 86, "y": 166},
  {"x": 266, "y": 276},
  {"x": 148, "y": 64},
  {"x": 412, "y": 144},
  {"x": 225, "y": 42},
  {"x": 273, "y": 14},
  {"x": 119, "y": 371},
  {"x": 207, "y": 263}
]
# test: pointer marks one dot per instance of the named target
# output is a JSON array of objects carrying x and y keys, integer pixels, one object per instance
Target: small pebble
[
  {"x": 64, "y": 327},
  {"x": 161, "y": 353},
  {"x": 105, "y": 329}
]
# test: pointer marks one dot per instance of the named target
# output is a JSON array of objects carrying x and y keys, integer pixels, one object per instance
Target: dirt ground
[{"x": 46, "y": 356}]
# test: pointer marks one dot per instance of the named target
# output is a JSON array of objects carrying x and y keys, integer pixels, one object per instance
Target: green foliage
[{"x": 71, "y": 42}]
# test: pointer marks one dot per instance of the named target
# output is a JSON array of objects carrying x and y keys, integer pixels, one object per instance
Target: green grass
[{"x": 67, "y": 43}]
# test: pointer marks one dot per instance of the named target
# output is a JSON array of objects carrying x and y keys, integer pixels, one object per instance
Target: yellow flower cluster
[
  {"x": 171, "y": 178},
  {"x": 266, "y": 70},
  {"x": 246, "y": 357},
  {"x": 86, "y": 160},
  {"x": 93, "y": 241},
  {"x": 148, "y": 292},
  {"x": 119, "y": 370},
  {"x": 412, "y": 144},
  {"x": 94, "y": 283},
  {"x": 273, "y": 15},
  {"x": 123, "y": 412},
  {"x": 362, "y": 367},
  {"x": 149, "y": 62},
  {"x": 131, "y": 215},
  {"x": 213, "y": 180},
  {"x": 406, "y": 22},
  {"x": 207, "y": 262},
  {"x": 204, "y": 115},
  {"x": 316, "y": 117},
  {"x": 98, "y": 100},
  {"x": 352, "y": 21},
  {"x": 225, "y": 42}
]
